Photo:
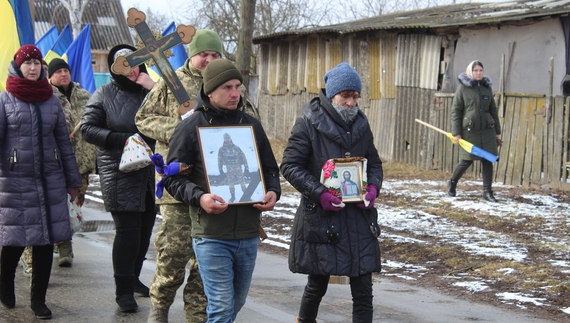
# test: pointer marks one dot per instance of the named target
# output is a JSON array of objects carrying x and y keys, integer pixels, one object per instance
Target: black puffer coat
[
  {"x": 112, "y": 109},
  {"x": 318, "y": 135}
]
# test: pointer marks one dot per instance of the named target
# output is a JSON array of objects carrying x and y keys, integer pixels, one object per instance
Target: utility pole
[{"x": 245, "y": 36}]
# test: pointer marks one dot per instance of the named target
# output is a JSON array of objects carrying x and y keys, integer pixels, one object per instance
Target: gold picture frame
[
  {"x": 231, "y": 163},
  {"x": 345, "y": 178}
]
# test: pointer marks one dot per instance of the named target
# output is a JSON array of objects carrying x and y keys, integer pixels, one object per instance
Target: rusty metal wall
[{"x": 418, "y": 61}]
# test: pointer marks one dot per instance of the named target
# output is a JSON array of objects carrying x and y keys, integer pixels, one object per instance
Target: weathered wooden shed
[{"x": 409, "y": 63}]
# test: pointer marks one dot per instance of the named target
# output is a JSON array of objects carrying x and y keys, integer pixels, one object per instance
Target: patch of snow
[
  {"x": 472, "y": 286},
  {"x": 522, "y": 298}
]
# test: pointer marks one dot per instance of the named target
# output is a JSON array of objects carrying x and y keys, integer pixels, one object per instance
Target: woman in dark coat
[
  {"x": 330, "y": 237},
  {"x": 108, "y": 121},
  {"x": 474, "y": 118},
  {"x": 37, "y": 172}
]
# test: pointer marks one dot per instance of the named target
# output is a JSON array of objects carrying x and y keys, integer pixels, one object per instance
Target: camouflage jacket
[
  {"x": 73, "y": 110},
  {"x": 160, "y": 113}
]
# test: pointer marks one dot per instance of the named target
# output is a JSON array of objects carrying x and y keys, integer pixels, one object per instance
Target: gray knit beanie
[
  {"x": 341, "y": 78},
  {"x": 205, "y": 40},
  {"x": 219, "y": 72}
]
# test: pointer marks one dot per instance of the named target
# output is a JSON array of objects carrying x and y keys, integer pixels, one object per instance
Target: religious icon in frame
[
  {"x": 345, "y": 178},
  {"x": 231, "y": 163}
]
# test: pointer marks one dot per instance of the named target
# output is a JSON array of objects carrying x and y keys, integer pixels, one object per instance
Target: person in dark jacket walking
[
  {"x": 225, "y": 236},
  {"x": 37, "y": 172},
  {"x": 108, "y": 121},
  {"x": 330, "y": 237},
  {"x": 474, "y": 117}
]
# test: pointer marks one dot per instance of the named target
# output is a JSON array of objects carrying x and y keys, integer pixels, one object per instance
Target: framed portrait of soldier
[
  {"x": 345, "y": 178},
  {"x": 231, "y": 163}
]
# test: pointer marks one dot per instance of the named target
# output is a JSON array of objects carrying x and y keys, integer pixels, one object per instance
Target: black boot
[
  {"x": 488, "y": 195},
  {"x": 7, "y": 295},
  {"x": 233, "y": 198},
  {"x": 141, "y": 290},
  {"x": 8, "y": 262},
  {"x": 451, "y": 187},
  {"x": 314, "y": 291},
  {"x": 42, "y": 258},
  {"x": 41, "y": 311},
  {"x": 124, "y": 290}
]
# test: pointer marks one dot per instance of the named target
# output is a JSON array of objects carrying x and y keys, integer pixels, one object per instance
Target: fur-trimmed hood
[{"x": 467, "y": 81}]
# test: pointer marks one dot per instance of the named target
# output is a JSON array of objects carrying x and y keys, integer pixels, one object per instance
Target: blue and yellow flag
[
  {"x": 17, "y": 30},
  {"x": 45, "y": 43},
  {"x": 473, "y": 150},
  {"x": 61, "y": 44},
  {"x": 466, "y": 145},
  {"x": 78, "y": 56}
]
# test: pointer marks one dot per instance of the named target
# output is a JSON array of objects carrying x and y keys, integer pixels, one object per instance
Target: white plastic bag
[
  {"x": 136, "y": 154},
  {"x": 75, "y": 216}
]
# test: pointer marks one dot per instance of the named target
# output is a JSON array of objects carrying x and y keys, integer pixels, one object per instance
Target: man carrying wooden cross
[{"x": 157, "y": 118}]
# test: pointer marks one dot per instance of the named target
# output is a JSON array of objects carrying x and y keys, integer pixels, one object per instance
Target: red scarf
[{"x": 28, "y": 90}]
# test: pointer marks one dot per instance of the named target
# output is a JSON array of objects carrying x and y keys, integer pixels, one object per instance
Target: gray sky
[{"x": 169, "y": 7}]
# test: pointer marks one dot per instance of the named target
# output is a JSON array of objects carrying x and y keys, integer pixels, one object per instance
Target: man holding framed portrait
[
  {"x": 331, "y": 159},
  {"x": 221, "y": 229}
]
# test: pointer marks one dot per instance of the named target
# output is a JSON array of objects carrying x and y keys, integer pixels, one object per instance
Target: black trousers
[
  {"x": 132, "y": 238},
  {"x": 316, "y": 288},
  {"x": 463, "y": 165}
]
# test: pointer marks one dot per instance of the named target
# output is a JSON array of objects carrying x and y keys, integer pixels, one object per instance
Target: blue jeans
[{"x": 226, "y": 268}]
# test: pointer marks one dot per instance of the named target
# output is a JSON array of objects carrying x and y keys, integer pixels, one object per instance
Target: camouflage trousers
[
  {"x": 173, "y": 244},
  {"x": 81, "y": 191},
  {"x": 235, "y": 176}
]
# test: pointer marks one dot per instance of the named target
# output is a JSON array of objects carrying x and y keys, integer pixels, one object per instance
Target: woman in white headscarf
[{"x": 474, "y": 118}]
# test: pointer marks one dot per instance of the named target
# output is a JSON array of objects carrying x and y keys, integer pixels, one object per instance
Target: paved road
[{"x": 85, "y": 293}]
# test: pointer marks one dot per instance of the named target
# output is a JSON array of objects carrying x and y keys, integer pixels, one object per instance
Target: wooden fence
[
  {"x": 534, "y": 132},
  {"x": 535, "y": 140}
]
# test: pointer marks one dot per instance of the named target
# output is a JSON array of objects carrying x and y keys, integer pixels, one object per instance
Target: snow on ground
[{"x": 415, "y": 221}]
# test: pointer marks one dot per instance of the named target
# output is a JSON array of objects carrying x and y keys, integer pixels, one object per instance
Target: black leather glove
[{"x": 116, "y": 139}]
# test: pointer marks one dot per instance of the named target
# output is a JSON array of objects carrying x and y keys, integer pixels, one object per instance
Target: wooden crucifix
[{"x": 155, "y": 49}]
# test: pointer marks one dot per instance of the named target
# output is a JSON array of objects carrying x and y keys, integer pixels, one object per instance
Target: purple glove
[
  {"x": 72, "y": 192},
  {"x": 370, "y": 197},
  {"x": 327, "y": 200}
]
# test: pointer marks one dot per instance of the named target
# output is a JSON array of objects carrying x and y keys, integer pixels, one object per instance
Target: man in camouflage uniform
[
  {"x": 231, "y": 156},
  {"x": 157, "y": 118},
  {"x": 60, "y": 77}
]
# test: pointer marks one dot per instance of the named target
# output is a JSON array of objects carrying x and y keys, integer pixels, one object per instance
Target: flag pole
[{"x": 430, "y": 126}]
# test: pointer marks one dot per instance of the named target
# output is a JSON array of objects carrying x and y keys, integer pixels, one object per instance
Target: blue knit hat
[{"x": 342, "y": 78}]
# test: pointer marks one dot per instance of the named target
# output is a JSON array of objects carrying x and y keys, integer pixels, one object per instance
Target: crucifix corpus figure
[{"x": 155, "y": 49}]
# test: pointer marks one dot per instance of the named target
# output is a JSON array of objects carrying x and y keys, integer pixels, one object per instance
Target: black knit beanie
[
  {"x": 55, "y": 64},
  {"x": 219, "y": 72}
]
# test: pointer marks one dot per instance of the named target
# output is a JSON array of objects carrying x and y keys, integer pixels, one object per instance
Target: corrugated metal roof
[
  {"x": 456, "y": 15},
  {"x": 108, "y": 21}
]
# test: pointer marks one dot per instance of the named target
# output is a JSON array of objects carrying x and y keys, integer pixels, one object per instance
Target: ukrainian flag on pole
[
  {"x": 61, "y": 44},
  {"x": 17, "y": 30},
  {"x": 466, "y": 145},
  {"x": 47, "y": 40},
  {"x": 78, "y": 56}
]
